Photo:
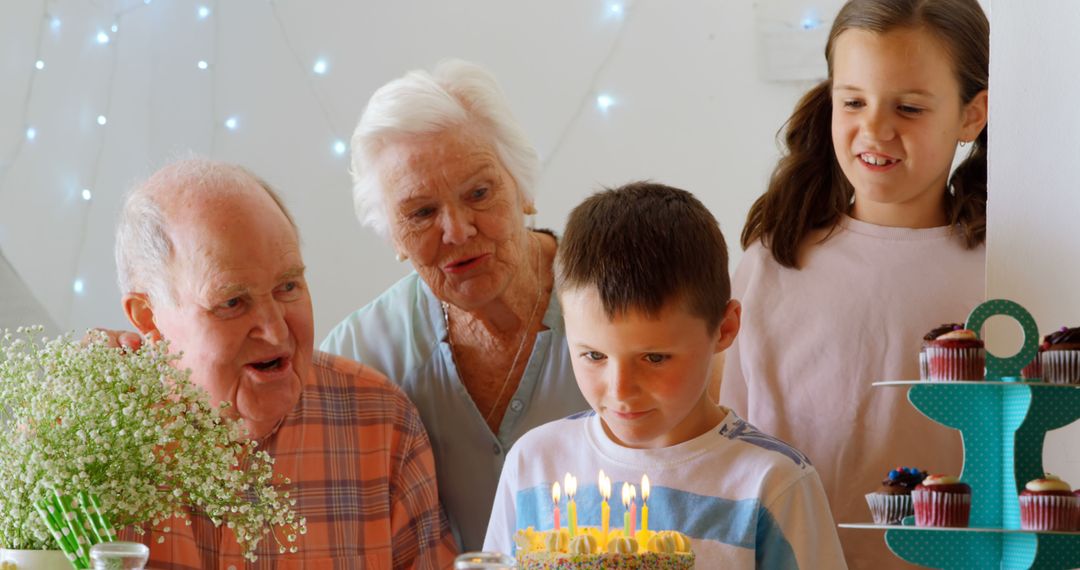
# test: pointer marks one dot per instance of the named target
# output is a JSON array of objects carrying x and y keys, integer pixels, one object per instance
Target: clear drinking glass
[
  {"x": 119, "y": 556},
  {"x": 485, "y": 561}
]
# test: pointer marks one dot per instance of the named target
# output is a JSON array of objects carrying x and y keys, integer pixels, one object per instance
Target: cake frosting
[
  {"x": 1048, "y": 484},
  {"x": 589, "y": 549}
]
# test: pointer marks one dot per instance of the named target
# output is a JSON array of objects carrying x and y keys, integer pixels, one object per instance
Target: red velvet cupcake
[
  {"x": 924, "y": 366},
  {"x": 1047, "y": 504},
  {"x": 955, "y": 356},
  {"x": 1076, "y": 510},
  {"x": 1033, "y": 371},
  {"x": 942, "y": 500},
  {"x": 1061, "y": 360}
]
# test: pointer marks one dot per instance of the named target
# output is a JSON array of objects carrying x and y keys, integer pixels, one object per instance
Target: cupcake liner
[
  {"x": 1048, "y": 512},
  {"x": 924, "y": 366},
  {"x": 955, "y": 364},
  {"x": 934, "y": 508},
  {"x": 888, "y": 509},
  {"x": 1061, "y": 366},
  {"x": 1033, "y": 370}
]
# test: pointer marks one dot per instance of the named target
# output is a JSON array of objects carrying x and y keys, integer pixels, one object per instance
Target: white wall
[
  {"x": 1034, "y": 201},
  {"x": 690, "y": 111}
]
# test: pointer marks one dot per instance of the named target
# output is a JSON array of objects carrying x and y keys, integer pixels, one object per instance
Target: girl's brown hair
[{"x": 808, "y": 191}]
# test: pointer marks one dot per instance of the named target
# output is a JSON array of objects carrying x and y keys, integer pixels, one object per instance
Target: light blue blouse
[{"x": 402, "y": 334}]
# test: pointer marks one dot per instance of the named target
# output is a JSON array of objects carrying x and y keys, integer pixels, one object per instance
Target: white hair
[
  {"x": 455, "y": 94},
  {"x": 143, "y": 249}
]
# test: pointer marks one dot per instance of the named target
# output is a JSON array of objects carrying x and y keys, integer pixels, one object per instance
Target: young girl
[{"x": 862, "y": 243}]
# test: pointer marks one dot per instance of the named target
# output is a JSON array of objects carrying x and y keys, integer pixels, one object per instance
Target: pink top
[{"x": 813, "y": 340}]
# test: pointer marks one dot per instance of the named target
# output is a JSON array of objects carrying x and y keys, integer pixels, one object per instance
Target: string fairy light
[
  {"x": 320, "y": 67},
  {"x": 86, "y": 194},
  {"x": 31, "y": 131},
  {"x": 603, "y": 101}
]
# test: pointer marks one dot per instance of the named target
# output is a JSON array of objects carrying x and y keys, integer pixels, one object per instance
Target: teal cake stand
[{"x": 1003, "y": 422}]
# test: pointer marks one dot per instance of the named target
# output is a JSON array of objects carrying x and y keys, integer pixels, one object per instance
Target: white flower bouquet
[{"x": 128, "y": 437}]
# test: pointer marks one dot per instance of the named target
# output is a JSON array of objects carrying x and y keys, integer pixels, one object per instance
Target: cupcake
[
  {"x": 1047, "y": 504},
  {"x": 924, "y": 371},
  {"x": 941, "y": 500},
  {"x": 1061, "y": 359},
  {"x": 892, "y": 501},
  {"x": 1076, "y": 510},
  {"x": 956, "y": 355},
  {"x": 1033, "y": 371}
]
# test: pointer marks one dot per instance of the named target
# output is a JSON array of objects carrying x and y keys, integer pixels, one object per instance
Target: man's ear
[
  {"x": 140, "y": 312},
  {"x": 729, "y": 326}
]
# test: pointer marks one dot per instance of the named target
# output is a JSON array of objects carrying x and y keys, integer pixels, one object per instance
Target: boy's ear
[
  {"x": 729, "y": 326},
  {"x": 976, "y": 113},
  {"x": 140, "y": 312}
]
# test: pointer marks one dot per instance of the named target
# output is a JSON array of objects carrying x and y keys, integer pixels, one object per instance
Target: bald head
[{"x": 191, "y": 195}]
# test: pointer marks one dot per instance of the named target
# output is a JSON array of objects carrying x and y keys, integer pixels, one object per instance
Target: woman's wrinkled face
[{"x": 456, "y": 212}]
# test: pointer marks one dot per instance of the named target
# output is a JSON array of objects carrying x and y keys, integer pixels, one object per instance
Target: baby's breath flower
[{"x": 132, "y": 429}]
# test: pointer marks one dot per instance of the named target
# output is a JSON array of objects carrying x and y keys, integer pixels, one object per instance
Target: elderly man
[{"x": 209, "y": 260}]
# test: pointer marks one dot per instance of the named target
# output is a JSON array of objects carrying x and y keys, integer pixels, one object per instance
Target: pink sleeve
[{"x": 733, "y": 393}]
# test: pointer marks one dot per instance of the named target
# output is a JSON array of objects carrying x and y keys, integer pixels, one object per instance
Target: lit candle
[
  {"x": 626, "y": 511},
  {"x": 645, "y": 502},
  {"x": 633, "y": 510},
  {"x": 555, "y": 495},
  {"x": 571, "y": 505},
  {"x": 605, "y": 509}
]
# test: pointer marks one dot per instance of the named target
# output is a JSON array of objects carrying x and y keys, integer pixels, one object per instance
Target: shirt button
[
  {"x": 516, "y": 405},
  {"x": 496, "y": 449}
]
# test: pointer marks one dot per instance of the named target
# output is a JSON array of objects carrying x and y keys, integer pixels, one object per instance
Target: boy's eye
[
  {"x": 654, "y": 358},
  {"x": 909, "y": 110},
  {"x": 594, "y": 356}
]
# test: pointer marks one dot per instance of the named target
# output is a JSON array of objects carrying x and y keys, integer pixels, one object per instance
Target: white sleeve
[
  {"x": 801, "y": 519},
  {"x": 503, "y": 523}
]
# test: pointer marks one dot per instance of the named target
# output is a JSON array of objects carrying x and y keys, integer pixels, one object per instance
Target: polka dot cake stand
[{"x": 1003, "y": 421}]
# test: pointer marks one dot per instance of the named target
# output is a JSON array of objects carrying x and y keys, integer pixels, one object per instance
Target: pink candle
[
  {"x": 555, "y": 496},
  {"x": 633, "y": 513}
]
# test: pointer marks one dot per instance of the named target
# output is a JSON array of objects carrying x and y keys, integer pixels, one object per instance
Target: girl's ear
[
  {"x": 140, "y": 312},
  {"x": 976, "y": 113}
]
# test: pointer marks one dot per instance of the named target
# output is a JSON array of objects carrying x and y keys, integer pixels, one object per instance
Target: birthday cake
[{"x": 589, "y": 549}]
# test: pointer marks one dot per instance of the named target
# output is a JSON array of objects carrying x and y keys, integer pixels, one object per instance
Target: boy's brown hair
[{"x": 642, "y": 245}]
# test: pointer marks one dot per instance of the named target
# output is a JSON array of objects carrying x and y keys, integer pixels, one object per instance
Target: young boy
[{"x": 642, "y": 278}]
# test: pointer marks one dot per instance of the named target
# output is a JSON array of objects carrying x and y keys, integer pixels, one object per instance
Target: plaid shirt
[{"x": 362, "y": 473}]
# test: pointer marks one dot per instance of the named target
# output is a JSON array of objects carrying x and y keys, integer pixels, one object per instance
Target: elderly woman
[{"x": 474, "y": 336}]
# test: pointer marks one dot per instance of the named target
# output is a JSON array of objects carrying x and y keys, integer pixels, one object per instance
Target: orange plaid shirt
[{"x": 362, "y": 473}]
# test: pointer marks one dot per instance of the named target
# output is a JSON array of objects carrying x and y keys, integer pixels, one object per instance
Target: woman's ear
[
  {"x": 729, "y": 325},
  {"x": 140, "y": 312}
]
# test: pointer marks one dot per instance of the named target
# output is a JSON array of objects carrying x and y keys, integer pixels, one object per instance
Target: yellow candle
[
  {"x": 605, "y": 510},
  {"x": 626, "y": 514},
  {"x": 571, "y": 506},
  {"x": 645, "y": 502}
]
